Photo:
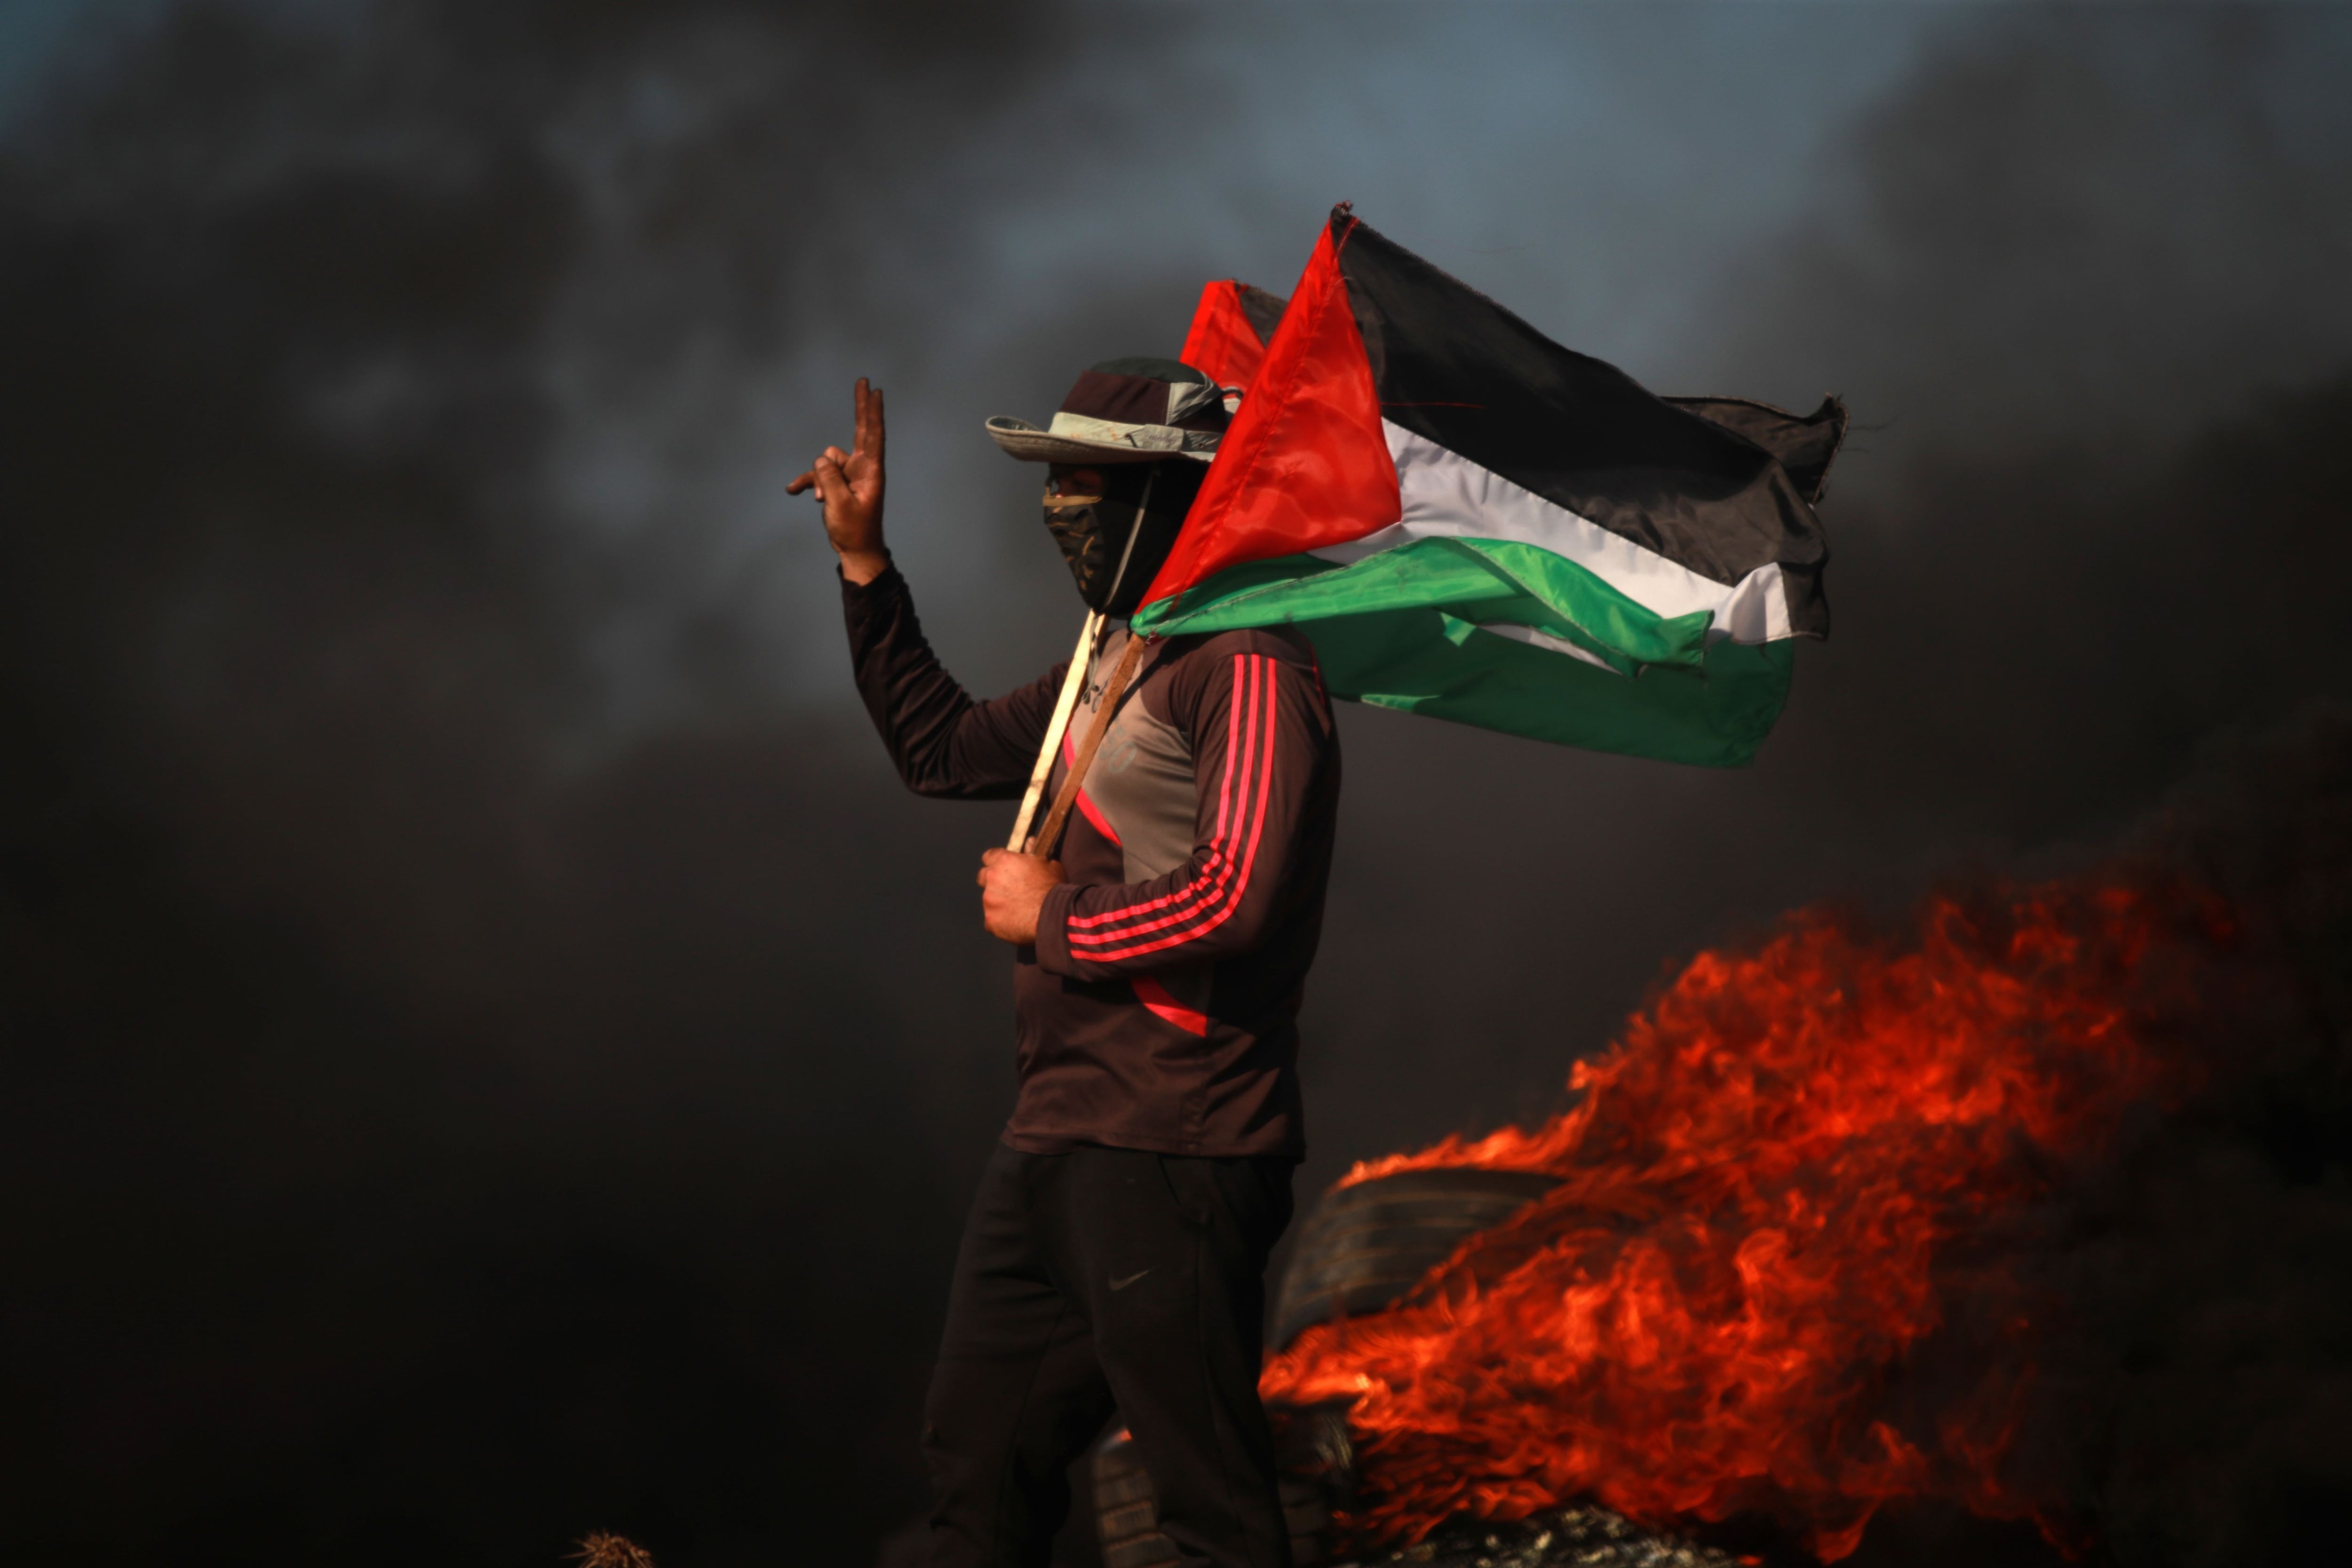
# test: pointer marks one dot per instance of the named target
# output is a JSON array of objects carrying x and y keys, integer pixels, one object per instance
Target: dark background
[{"x": 490, "y": 1052}]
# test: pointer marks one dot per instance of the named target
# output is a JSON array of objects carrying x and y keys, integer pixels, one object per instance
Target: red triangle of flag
[{"x": 1305, "y": 462}]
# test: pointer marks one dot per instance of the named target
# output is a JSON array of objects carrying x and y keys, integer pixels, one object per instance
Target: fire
[{"x": 1775, "y": 1184}]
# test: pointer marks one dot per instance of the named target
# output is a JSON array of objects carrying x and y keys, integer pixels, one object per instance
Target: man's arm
[
  {"x": 944, "y": 744},
  {"x": 947, "y": 745},
  {"x": 1262, "y": 742}
]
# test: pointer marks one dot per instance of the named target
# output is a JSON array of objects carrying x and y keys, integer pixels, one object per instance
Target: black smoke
[
  {"x": 2164, "y": 1324},
  {"x": 2190, "y": 1404},
  {"x": 485, "y": 1062},
  {"x": 435, "y": 1133}
]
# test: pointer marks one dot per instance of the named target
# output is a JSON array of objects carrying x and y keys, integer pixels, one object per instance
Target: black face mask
[{"x": 1146, "y": 502}]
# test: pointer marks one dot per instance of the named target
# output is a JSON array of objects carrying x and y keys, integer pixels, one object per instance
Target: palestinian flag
[
  {"x": 1231, "y": 328},
  {"x": 1472, "y": 521}
]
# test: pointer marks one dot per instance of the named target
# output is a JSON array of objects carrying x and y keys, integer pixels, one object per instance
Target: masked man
[{"x": 1115, "y": 1256}]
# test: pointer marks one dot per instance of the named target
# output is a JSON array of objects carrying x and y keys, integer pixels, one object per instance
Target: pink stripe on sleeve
[
  {"x": 1204, "y": 892},
  {"x": 1257, "y": 826},
  {"x": 1208, "y": 883}
]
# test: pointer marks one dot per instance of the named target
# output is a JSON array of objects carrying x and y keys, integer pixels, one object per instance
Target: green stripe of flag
[
  {"x": 1400, "y": 629},
  {"x": 1425, "y": 661},
  {"x": 1480, "y": 580}
]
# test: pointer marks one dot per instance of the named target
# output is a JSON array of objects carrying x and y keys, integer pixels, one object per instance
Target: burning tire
[{"x": 1365, "y": 1245}]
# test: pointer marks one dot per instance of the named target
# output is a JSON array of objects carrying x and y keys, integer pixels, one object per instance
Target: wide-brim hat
[{"x": 1125, "y": 411}]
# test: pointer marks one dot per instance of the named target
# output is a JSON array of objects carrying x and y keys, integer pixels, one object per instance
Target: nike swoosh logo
[{"x": 1123, "y": 1284}]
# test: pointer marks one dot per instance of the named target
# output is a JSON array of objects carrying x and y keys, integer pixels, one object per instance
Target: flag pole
[
  {"x": 1075, "y": 682},
  {"x": 1072, "y": 684},
  {"x": 1049, "y": 836}
]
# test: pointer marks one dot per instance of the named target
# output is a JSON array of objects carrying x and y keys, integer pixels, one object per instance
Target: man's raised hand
[{"x": 850, "y": 485}]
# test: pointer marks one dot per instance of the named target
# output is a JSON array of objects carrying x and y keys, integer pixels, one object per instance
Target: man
[{"x": 1115, "y": 1256}]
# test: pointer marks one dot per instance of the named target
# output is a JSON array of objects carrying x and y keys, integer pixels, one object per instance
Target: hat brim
[{"x": 1025, "y": 441}]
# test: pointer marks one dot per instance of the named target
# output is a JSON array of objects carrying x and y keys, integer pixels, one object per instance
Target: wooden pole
[
  {"x": 1113, "y": 690},
  {"x": 1072, "y": 684}
]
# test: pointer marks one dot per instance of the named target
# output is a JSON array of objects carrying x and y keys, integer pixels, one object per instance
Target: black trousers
[{"x": 1101, "y": 1280}]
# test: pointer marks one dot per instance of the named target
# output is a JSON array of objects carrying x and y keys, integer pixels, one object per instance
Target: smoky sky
[{"x": 491, "y": 1053}]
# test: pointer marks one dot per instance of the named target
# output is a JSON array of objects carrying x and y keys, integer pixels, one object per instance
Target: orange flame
[{"x": 1770, "y": 1186}]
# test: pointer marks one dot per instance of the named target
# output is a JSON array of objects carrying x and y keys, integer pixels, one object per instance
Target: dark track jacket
[{"x": 1157, "y": 1008}]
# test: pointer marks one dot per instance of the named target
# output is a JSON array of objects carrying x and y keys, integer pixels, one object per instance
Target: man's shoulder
[
  {"x": 1195, "y": 669},
  {"x": 1286, "y": 643}
]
